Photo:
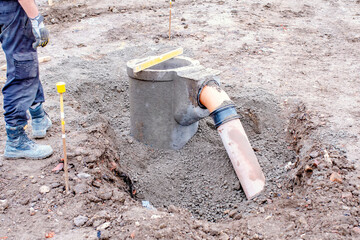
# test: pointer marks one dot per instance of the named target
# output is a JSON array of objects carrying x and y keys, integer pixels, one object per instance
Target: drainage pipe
[{"x": 234, "y": 138}]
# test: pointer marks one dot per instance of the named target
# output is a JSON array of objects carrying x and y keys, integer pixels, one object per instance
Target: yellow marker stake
[
  {"x": 61, "y": 89},
  {"x": 156, "y": 60}
]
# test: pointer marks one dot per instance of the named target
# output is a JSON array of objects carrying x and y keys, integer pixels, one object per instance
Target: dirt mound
[{"x": 200, "y": 176}]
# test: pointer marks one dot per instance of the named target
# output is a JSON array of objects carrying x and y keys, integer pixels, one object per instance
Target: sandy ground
[{"x": 292, "y": 69}]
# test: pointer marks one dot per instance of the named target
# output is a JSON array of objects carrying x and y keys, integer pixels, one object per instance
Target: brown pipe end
[{"x": 212, "y": 97}]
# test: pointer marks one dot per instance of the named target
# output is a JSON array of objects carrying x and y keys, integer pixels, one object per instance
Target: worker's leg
[{"x": 22, "y": 86}]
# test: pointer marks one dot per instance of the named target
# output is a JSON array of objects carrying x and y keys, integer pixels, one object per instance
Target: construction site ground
[{"x": 291, "y": 67}]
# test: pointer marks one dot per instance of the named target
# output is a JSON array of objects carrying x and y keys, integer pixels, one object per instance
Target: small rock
[
  {"x": 24, "y": 201},
  {"x": 61, "y": 202},
  {"x": 261, "y": 209},
  {"x": 163, "y": 225},
  {"x": 55, "y": 185},
  {"x": 237, "y": 186},
  {"x": 45, "y": 211},
  {"x": 356, "y": 230},
  {"x": 44, "y": 189},
  {"x": 137, "y": 224},
  {"x": 80, "y": 221},
  {"x": 302, "y": 220},
  {"x": 11, "y": 193},
  {"x": 91, "y": 159},
  {"x": 173, "y": 209},
  {"x": 335, "y": 177},
  {"x": 32, "y": 211},
  {"x": 96, "y": 183},
  {"x": 105, "y": 235},
  {"x": 36, "y": 198},
  {"x": 105, "y": 193},
  {"x": 103, "y": 226},
  {"x": 83, "y": 175},
  {"x": 345, "y": 207},
  {"x": 224, "y": 236},
  {"x": 237, "y": 216},
  {"x": 268, "y": 5},
  {"x": 232, "y": 213},
  {"x": 308, "y": 169},
  {"x": 314, "y": 154},
  {"x": 356, "y": 192},
  {"x": 346, "y": 195},
  {"x": 98, "y": 222},
  {"x": 93, "y": 198},
  {"x": 101, "y": 215},
  {"x": 80, "y": 188},
  {"x": 119, "y": 196},
  {"x": 4, "y": 204},
  {"x": 293, "y": 215},
  {"x": 147, "y": 205},
  {"x": 327, "y": 158},
  {"x": 33, "y": 181},
  {"x": 114, "y": 9}
]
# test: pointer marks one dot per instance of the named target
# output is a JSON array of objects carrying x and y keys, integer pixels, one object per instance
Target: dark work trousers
[{"x": 22, "y": 88}]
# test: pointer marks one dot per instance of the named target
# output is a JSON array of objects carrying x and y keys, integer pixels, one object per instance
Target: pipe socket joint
[{"x": 224, "y": 114}]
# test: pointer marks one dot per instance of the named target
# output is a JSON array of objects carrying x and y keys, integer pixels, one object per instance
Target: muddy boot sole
[
  {"x": 23, "y": 155},
  {"x": 9, "y": 157}
]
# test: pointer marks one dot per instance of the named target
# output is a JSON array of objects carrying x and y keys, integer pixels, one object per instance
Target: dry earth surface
[{"x": 291, "y": 67}]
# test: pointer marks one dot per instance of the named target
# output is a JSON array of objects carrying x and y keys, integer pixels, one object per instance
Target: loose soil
[{"x": 291, "y": 68}]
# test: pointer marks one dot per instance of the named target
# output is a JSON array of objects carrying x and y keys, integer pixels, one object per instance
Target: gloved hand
[{"x": 40, "y": 32}]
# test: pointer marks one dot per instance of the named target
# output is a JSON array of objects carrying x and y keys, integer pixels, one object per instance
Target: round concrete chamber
[{"x": 163, "y": 107}]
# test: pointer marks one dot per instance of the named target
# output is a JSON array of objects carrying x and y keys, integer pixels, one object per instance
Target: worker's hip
[
  {"x": 8, "y": 11},
  {"x": 16, "y": 38},
  {"x": 14, "y": 22}
]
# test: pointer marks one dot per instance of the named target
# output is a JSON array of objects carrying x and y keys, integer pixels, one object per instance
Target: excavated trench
[{"x": 200, "y": 176}]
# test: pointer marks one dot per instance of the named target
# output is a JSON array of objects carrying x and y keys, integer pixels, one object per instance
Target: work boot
[
  {"x": 40, "y": 121},
  {"x": 18, "y": 145}
]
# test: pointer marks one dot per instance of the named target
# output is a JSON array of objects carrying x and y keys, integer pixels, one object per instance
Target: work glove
[{"x": 40, "y": 32}]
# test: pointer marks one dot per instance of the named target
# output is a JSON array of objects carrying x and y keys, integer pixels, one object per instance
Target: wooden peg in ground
[
  {"x": 170, "y": 21},
  {"x": 41, "y": 60}
]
